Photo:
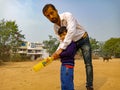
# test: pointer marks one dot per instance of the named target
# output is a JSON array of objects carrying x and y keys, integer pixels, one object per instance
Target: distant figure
[{"x": 106, "y": 58}]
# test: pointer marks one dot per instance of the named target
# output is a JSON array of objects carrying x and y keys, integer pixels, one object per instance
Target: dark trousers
[{"x": 84, "y": 45}]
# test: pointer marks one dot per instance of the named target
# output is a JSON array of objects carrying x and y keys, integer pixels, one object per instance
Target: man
[{"x": 75, "y": 33}]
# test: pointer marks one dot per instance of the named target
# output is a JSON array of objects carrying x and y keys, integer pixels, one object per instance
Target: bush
[
  {"x": 19, "y": 58},
  {"x": 1, "y": 62},
  {"x": 5, "y": 58}
]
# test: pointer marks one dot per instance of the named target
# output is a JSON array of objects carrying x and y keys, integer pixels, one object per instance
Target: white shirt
[{"x": 74, "y": 30}]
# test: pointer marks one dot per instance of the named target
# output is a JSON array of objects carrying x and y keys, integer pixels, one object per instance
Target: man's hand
[
  {"x": 59, "y": 51},
  {"x": 56, "y": 55}
]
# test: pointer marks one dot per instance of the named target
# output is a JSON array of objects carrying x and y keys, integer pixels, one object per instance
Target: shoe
[{"x": 90, "y": 88}]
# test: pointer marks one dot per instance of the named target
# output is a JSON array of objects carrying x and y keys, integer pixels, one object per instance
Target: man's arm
[
  {"x": 71, "y": 30},
  {"x": 71, "y": 27},
  {"x": 56, "y": 55}
]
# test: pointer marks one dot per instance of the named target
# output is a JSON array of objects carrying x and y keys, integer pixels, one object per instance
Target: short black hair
[
  {"x": 45, "y": 8},
  {"x": 62, "y": 30}
]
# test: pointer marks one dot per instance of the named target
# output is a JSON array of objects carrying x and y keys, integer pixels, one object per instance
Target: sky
[{"x": 100, "y": 18}]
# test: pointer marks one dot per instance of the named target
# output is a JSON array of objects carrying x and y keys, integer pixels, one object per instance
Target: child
[{"x": 67, "y": 60}]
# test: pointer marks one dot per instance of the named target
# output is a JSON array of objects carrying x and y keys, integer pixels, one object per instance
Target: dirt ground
[{"x": 20, "y": 76}]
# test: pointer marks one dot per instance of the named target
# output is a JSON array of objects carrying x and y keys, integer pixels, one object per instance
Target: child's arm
[{"x": 70, "y": 50}]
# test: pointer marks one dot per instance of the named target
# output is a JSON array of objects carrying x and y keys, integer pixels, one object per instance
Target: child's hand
[{"x": 55, "y": 56}]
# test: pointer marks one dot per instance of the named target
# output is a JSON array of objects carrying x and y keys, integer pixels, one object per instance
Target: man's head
[
  {"x": 51, "y": 13},
  {"x": 62, "y": 32},
  {"x": 45, "y": 8}
]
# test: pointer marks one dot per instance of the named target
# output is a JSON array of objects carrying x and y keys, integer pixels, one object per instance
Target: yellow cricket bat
[{"x": 42, "y": 64}]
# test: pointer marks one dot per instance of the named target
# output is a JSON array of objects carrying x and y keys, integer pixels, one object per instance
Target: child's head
[{"x": 62, "y": 32}]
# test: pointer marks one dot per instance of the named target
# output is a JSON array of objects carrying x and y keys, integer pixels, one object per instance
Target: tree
[
  {"x": 112, "y": 47},
  {"x": 94, "y": 44},
  {"x": 101, "y": 44},
  {"x": 51, "y": 45},
  {"x": 10, "y": 38}
]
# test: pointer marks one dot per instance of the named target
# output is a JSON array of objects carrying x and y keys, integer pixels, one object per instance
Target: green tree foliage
[
  {"x": 51, "y": 45},
  {"x": 94, "y": 44},
  {"x": 112, "y": 47},
  {"x": 10, "y": 38},
  {"x": 101, "y": 44}
]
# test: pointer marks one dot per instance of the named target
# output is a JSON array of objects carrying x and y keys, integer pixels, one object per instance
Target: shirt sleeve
[
  {"x": 71, "y": 27},
  {"x": 59, "y": 45}
]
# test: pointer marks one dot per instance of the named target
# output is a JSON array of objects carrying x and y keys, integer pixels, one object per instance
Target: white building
[{"x": 33, "y": 49}]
